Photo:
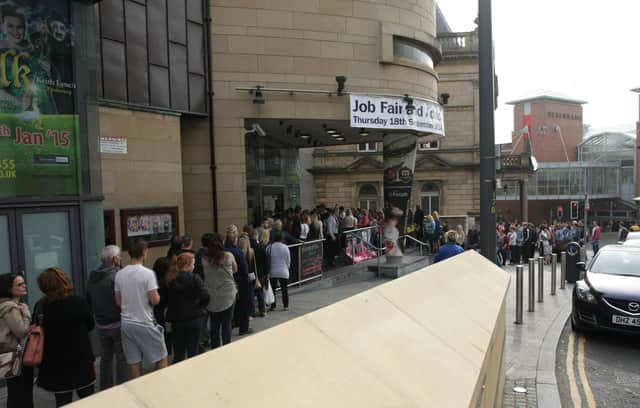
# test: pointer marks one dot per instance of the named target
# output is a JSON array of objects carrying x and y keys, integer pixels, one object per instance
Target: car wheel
[{"x": 574, "y": 325}]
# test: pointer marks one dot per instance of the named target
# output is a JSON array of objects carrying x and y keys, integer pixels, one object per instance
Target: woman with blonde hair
[
  {"x": 255, "y": 287},
  {"x": 68, "y": 361},
  {"x": 186, "y": 301}
]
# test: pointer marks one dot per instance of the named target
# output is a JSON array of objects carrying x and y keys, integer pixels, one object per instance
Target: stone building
[{"x": 447, "y": 170}]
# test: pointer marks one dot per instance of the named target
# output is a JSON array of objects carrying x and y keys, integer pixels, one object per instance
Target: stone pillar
[{"x": 524, "y": 199}]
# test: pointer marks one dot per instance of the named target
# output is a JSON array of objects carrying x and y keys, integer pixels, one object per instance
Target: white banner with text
[{"x": 396, "y": 113}]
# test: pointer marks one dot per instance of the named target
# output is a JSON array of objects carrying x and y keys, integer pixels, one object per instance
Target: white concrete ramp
[{"x": 434, "y": 338}]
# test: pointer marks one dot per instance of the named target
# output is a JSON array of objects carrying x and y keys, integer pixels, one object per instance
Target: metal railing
[
  {"x": 307, "y": 263},
  {"x": 422, "y": 244},
  {"x": 356, "y": 236}
]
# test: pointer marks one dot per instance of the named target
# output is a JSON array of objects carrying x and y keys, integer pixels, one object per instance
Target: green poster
[
  {"x": 39, "y": 126},
  {"x": 39, "y": 158}
]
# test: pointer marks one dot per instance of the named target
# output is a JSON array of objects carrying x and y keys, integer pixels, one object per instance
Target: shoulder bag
[{"x": 34, "y": 349}]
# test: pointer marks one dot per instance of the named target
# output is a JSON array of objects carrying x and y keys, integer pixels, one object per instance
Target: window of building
[
  {"x": 412, "y": 50},
  {"x": 368, "y": 197},
  {"x": 367, "y": 147},
  {"x": 430, "y": 198},
  {"x": 433, "y": 145}
]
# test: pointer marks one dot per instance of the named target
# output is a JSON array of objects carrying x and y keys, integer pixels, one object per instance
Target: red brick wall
[{"x": 548, "y": 147}]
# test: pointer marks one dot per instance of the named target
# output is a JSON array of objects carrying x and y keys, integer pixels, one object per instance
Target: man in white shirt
[{"x": 136, "y": 292}]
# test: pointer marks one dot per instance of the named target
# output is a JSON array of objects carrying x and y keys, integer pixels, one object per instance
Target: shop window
[
  {"x": 367, "y": 147},
  {"x": 433, "y": 145},
  {"x": 368, "y": 197},
  {"x": 412, "y": 50},
  {"x": 430, "y": 198}
]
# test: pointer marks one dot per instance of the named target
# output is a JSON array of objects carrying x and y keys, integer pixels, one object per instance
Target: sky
[{"x": 587, "y": 49}]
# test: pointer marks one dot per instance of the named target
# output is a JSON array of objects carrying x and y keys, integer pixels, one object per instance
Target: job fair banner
[
  {"x": 39, "y": 146},
  {"x": 396, "y": 113}
]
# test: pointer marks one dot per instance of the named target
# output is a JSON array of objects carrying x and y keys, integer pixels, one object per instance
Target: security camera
[
  {"x": 256, "y": 128},
  {"x": 341, "y": 80}
]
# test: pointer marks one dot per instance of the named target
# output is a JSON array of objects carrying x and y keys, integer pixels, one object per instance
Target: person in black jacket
[
  {"x": 160, "y": 267},
  {"x": 100, "y": 289},
  {"x": 68, "y": 361},
  {"x": 186, "y": 301},
  {"x": 260, "y": 254}
]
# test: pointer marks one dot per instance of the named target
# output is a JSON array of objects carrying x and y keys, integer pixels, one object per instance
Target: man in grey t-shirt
[{"x": 136, "y": 291}]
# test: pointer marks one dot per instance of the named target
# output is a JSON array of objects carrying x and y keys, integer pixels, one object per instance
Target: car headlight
[{"x": 584, "y": 293}]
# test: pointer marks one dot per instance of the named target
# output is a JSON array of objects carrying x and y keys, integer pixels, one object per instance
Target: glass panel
[
  {"x": 412, "y": 51},
  {"x": 5, "y": 250},
  {"x": 435, "y": 204},
  {"x": 46, "y": 243}
]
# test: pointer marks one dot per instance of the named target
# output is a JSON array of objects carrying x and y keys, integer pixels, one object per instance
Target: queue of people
[{"x": 189, "y": 301}]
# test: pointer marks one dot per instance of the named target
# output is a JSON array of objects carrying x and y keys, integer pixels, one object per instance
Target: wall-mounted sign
[
  {"x": 113, "y": 145},
  {"x": 39, "y": 128},
  {"x": 154, "y": 225},
  {"x": 396, "y": 113}
]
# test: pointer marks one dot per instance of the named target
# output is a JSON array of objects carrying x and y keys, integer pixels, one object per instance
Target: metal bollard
[
  {"x": 554, "y": 273},
  {"x": 532, "y": 285},
  {"x": 540, "y": 279},
  {"x": 583, "y": 254},
  {"x": 563, "y": 270},
  {"x": 519, "y": 293}
]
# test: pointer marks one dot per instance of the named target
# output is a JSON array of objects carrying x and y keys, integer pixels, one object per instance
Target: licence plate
[{"x": 626, "y": 321}]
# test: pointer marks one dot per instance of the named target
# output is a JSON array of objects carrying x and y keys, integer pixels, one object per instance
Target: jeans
[
  {"x": 596, "y": 246},
  {"x": 283, "y": 287},
  {"x": 186, "y": 336},
  {"x": 20, "y": 389},
  {"x": 64, "y": 398},
  {"x": 243, "y": 306},
  {"x": 111, "y": 345},
  {"x": 221, "y": 323}
]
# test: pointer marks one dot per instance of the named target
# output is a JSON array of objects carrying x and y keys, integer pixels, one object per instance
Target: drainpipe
[{"x": 210, "y": 94}]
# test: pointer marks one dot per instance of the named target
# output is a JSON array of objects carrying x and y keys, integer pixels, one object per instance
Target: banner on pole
[{"x": 396, "y": 113}]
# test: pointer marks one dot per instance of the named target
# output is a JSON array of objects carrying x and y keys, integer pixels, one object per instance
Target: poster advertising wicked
[
  {"x": 39, "y": 146},
  {"x": 399, "y": 155}
]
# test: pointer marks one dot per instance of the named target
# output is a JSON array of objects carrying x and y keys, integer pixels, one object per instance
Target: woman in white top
[
  {"x": 279, "y": 261},
  {"x": 304, "y": 227},
  {"x": 218, "y": 267}
]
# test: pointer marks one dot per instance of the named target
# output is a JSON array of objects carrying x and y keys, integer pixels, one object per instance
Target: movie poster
[
  {"x": 399, "y": 155},
  {"x": 39, "y": 128}
]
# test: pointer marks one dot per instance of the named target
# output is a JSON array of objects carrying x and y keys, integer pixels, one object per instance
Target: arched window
[
  {"x": 430, "y": 198},
  {"x": 368, "y": 197}
]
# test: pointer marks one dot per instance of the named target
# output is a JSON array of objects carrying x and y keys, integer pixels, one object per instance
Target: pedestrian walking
[
  {"x": 15, "y": 320},
  {"x": 100, "y": 289},
  {"x": 219, "y": 266},
  {"x": 280, "y": 261},
  {"x": 186, "y": 301},
  {"x": 596, "y": 235},
  {"x": 68, "y": 360},
  {"x": 136, "y": 291}
]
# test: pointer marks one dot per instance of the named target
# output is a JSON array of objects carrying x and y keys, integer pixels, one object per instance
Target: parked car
[
  {"x": 632, "y": 238},
  {"x": 608, "y": 296}
]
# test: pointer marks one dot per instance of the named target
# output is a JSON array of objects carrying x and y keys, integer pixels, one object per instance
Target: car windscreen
[{"x": 617, "y": 263}]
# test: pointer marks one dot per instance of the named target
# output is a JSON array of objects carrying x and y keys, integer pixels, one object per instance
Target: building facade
[
  {"x": 447, "y": 170},
  {"x": 184, "y": 116}
]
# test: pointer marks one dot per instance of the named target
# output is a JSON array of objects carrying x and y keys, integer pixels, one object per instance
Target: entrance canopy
[{"x": 302, "y": 133}]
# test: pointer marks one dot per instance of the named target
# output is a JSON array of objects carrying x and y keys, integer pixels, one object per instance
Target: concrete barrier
[{"x": 434, "y": 338}]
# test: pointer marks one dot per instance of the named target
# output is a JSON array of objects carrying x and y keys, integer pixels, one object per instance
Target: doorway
[{"x": 33, "y": 239}]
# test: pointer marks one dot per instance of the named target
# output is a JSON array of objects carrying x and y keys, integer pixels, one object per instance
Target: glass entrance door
[{"x": 39, "y": 239}]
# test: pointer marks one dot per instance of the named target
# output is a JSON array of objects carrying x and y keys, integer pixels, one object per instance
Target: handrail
[
  {"x": 422, "y": 244},
  {"x": 351, "y": 231},
  {"x": 302, "y": 243}
]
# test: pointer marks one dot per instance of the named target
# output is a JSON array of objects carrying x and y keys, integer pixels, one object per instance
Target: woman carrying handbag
[
  {"x": 14, "y": 328},
  {"x": 67, "y": 360}
]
